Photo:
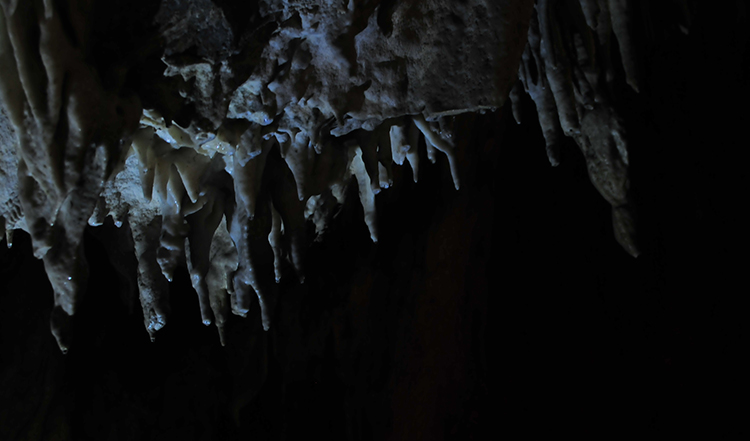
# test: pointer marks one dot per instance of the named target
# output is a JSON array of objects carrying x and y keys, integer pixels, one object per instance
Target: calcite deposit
[
  {"x": 567, "y": 70},
  {"x": 218, "y": 130}
]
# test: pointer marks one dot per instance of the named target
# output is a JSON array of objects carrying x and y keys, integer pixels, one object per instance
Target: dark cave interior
[{"x": 505, "y": 307}]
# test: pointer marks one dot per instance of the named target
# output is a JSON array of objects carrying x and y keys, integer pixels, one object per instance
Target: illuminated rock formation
[{"x": 256, "y": 124}]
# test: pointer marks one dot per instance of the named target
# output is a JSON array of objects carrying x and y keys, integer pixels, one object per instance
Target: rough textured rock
[
  {"x": 503, "y": 307},
  {"x": 567, "y": 70},
  {"x": 222, "y": 129},
  {"x": 261, "y": 121}
]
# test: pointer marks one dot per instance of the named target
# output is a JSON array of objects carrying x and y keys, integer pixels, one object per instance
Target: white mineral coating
[
  {"x": 366, "y": 193},
  {"x": 412, "y": 154},
  {"x": 437, "y": 143},
  {"x": 203, "y": 224},
  {"x": 223, "y": 263},
  {"x": 275, "y": 123}
]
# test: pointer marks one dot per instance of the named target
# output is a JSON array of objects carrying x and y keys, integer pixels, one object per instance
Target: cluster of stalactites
[
  {"x": 567, "y": 69},
  {"x": 233, "y": 204}
]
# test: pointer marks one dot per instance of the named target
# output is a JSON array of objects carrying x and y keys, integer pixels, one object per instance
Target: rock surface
[
  {"x": 503, "y": 307},
  {"x": 221, "y": 129},
  {"x": 258, "y": 123}
]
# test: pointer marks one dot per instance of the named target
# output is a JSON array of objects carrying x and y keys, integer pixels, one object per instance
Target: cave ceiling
[
  {"x": 215, "y": 132},
  {"x": 363, "y": 200}
]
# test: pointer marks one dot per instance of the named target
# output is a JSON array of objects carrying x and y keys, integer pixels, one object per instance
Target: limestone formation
[{"x": 216, "y": 130}]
